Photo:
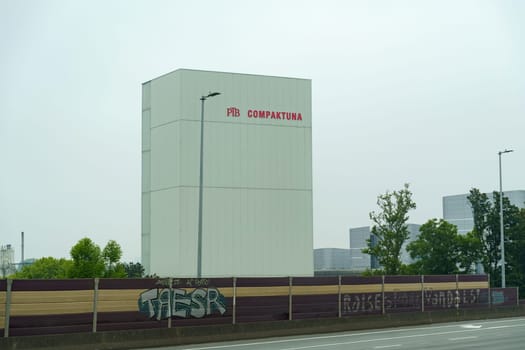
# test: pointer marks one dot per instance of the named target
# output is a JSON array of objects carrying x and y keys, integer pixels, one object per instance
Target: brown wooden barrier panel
[
  {"x": 315, "y": 306},
  {"x": 117, "y": 305},
  {"x": 86, "y": 305},
  {"x": 267, "y": 308},
  {"x": 3, "y": 294},
  {"x": 315, "y": 297},
  {"x": 50, "y": 324},
  {"x": 262, "y": 299},
  {"x": 52, "y": 285},
  {"x": 50, "y": 306}
]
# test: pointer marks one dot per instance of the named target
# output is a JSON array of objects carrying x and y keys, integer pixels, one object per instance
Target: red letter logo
[{"x": 233, "y": 112}]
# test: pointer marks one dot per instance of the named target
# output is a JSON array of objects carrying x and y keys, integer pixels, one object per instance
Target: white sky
[{"x": 424, "y": 92}]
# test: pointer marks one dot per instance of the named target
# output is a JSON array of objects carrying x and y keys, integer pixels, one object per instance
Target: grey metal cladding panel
[
  {"x": 358, "y": 237},
  {"x": 239, "y": 220},
  {"x": 332, "y": 258},
  {"x": 240, "y": 155},
  {"x": 165, "y": 99},
  {"x": 146, "y": 95},
  {"x": 146, "y": 205},
  {"x": 165, "y": 156},
  {"x": 463, "y": 225},
  {"x": 456, "y": 207},
  {"x": 146, "y": 252},
  {"x": 516, "y": 198},
  {"x": 146, "y": 131},
  {"x": 146, "y": 167},
  {"x": 245, "y": 92}
]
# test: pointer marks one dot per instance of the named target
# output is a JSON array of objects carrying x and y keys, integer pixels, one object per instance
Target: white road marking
[
  {"x": 461, "y": 338},
  {"x": 387, "y": 346},
  {"x": 326, "y": 345},
  {"x": 498, "y": 327},
  {"x": 471, "y": 326},
  {"x": 364, "y": 334}
]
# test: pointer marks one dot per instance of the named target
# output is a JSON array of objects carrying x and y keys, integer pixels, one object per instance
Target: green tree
[
  {"x": 134, "y": 270},
  {"x": 486, "y": 229},
  {"x": 45, "y": 268},
  {"x": 390, "y": 228},
  {"x": 436, "y": 250},
  {"x": 111, "y": 255},
  {"x": 470, "y": 252},
  {"x": 117, "y": 271},
  {"x": 515, "y": 254},
  {"x": 87, "y": 260}
]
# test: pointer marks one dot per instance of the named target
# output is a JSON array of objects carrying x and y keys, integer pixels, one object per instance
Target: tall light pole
[
  {"x": 199, "y": 234},
  {"x": 502, "y": 235}
]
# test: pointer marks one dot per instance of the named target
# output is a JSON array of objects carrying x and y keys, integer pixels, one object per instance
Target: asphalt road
[{"x": 500, "y": 334}]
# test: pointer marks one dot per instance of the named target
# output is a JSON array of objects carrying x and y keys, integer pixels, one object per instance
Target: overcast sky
[{"x": 424, "y": 92}]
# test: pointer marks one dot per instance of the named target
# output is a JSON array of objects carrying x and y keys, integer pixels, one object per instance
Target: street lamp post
[
  {"x": 502, "y": 235},
  {"x": 199, "y": 234}
]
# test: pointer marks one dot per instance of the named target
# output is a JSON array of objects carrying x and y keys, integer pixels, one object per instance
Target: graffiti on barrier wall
[
  {"x": 372, "y": 302},
  {"x": 161, "y": 303}
]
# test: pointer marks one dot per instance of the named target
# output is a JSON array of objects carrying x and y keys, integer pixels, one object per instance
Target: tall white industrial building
[{"x": 257, "y": 175}]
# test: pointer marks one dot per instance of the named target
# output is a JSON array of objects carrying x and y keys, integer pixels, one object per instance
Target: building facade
[
  {"x": 358, "y": 241},
  {"x": 331, "y": 259},
  {"x": 413, "y": 231},
  {"x": 257, "y": 175},
  {"x": 457, "y": 209},
  {"x": 7, "y": 260}
]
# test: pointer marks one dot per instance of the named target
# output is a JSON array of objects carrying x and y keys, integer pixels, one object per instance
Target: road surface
[{"x": 500, "y": 334}]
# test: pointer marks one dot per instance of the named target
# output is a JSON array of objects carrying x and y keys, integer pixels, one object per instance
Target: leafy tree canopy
[
  {"x": 111, "y": 255},
  {"x": 470, "y": 252},
  {"x": 117, "y": 271},
  {"x": 87, "y": 260},
  {"x": 515, "y": 254},
  {"x": 390, "y": 228},
  {"x": 112, "y": 252},
  {"x": 134, "y": 270},
  {"x": 45, "y": 268},
  {"x": 486, "y": 214},
  {"x": 437, "y": 248}
]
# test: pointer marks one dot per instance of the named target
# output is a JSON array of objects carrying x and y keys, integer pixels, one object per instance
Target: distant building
[
  {"x": 331, "y": 259},
  {"x": 413, "y": 230},
  {"x": 457, "y": 209},
  {"x": 7, "y": 260},
  {"x": 358, "y": 241},
  {"x": 359, "y": 260}
]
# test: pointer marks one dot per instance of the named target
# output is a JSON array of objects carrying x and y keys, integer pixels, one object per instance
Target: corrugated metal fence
[{"x": 31, "y": 307}]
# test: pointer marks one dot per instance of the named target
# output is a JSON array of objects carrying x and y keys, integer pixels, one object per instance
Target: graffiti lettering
[
  {"x": 160, "y": 303},
  {"x": 361, "y": 302},
  {"x": 372, "y": 302},
  {"x": 189, "y": 282}
]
